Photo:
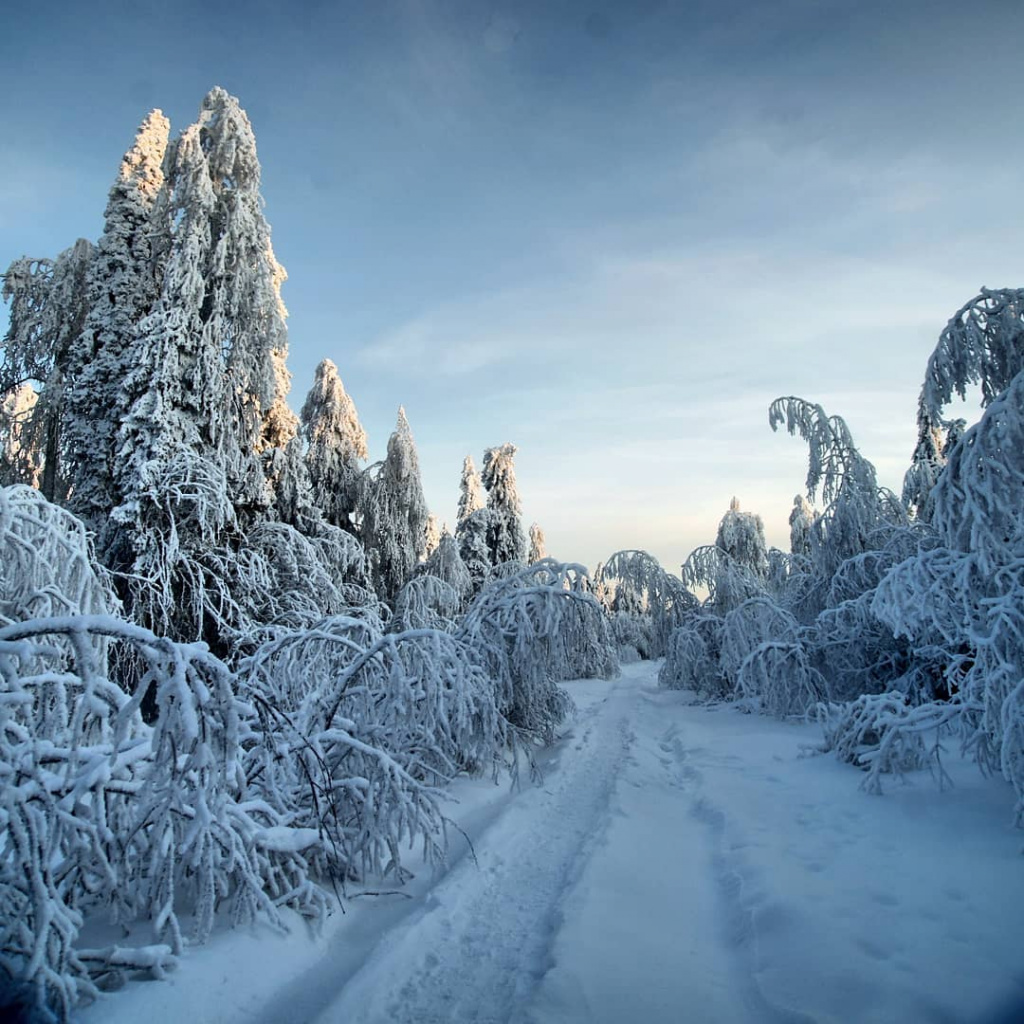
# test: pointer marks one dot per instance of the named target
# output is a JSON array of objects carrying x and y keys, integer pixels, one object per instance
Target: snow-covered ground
[{"x": 676, "y": 863}]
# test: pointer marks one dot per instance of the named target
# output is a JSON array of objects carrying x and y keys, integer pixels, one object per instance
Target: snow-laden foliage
[
  {"x": 693, "y": 658},
  {"x": 471, "y": 535},
  {"x": 728, "y": 582},
  {"x": 431, "y": 536},
  {"x": 471, "y": 497},
  {"x": 884, "y": 734},
  {"x": 48, "y": 300},
  {"x": 505, "y": 539},
  {"x": 856, "y": 509},
  {"x": 426, "y": 602},
  {"x": 741, "y": 537},
  {"x": 394, "y": 511},
  {"x": 46, "y": 567},
  {"x": 964, "y": 596},
  {"x": 538, "y": 547},
  {"x": 778, "y": 675},
  {"x": 447, "y": 565},
  {"x": 645, "y": 602},
  {"x": 337, "y": 445},
  {"x": 122, "y": 285},
  {"x": 360, "y": 728},
  {"x": 532, "y": 629},
  {"x": 801, "y": 518}
]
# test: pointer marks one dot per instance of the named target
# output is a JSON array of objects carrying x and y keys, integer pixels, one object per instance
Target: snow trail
[{"x": 482, "y": 942}]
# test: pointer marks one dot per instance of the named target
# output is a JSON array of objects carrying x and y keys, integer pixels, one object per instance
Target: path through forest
[{"x": 676, "y": 863}]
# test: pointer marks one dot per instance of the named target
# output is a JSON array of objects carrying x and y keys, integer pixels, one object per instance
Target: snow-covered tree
[
  {"x": 801, "y": 519},
  {"x": 447, "y": 565},
  {"x": 394, "y": 511},
  {"x": 471, "y": 535},
  {"x": 741, "y": 537},
  {"x": 538, "y": 548},
  {"x": 49, "y": 301},
  {"x": 122, "y": 285},
  {"x": 431, "y": 536},
  {"x": 337, "y": 445},
  {"x": 471, "y": 496},
  {"x": 505, "y": 539}
]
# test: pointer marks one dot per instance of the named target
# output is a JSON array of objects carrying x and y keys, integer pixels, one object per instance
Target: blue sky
[{"x": 609, "y": 232}]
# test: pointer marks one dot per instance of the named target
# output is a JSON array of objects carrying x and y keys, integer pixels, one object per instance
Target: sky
[{"x": 609, "y": 232}]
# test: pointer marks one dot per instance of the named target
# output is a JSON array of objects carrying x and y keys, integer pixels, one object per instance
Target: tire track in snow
[{"x": 482, "y": 942}]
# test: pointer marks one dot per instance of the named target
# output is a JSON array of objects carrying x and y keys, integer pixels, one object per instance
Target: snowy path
[{"x": 677, "y": 863}]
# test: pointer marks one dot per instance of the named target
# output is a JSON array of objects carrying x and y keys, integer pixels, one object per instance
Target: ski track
[{"x": 482, "y": 942}]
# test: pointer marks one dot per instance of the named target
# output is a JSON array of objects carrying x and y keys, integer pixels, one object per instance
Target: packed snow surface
[{"x": 675, "y": 863}]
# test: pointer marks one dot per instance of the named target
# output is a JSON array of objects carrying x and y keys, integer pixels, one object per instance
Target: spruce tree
[
  {"x": 122, "y": 285},
  {"x": 394, "y": 512},
  {"x": 505, "y": 539},
  {"x": 538, "y": 550},
  {"x": 470, "y": 493},
  {"x": 337, "y": 444}
]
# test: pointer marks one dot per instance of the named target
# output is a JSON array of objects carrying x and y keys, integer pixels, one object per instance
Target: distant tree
[
  {"x": 741, "y": 537},
  {"x": 431, "y": 536},
  {"x": 801, "y": 518},
  {"x": 538, "y": 550},
  {"x": 447, "y": 565},
  {"x": 122, "y": 285},
  {"x": 474, "y": 550},
  {"x": 505, "y": 539},
  {"x": 471, "y": 497},
  {"x": 337, "y": 444},
  {"x": 394, "y": 511}
]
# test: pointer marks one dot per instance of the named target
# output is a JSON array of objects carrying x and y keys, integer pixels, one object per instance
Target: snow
[{"x": 675, "y": 862}]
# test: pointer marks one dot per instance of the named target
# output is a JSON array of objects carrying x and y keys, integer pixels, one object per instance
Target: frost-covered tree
[
  {"x": 394, "y": 511},
  {"x": 645, "y": 602},
  {"x": 505, "y": 539},
  {"x": 801, "y": 519},
  {"x": 431, "y": 536},
  {"x": 49, "y": 302},
  {"x": 447, "y": 565},
  {"x": 471, "y": 535},
  {"x": 122, "y": 284},
  {"x": 538, "y": 548},
  {"x": 336, "y": 446},
  {"x": 471, "y": 497},
  {"x": 741, "y": 537}
]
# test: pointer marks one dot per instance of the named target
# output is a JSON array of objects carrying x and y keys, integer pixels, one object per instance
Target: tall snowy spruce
[
  {"x": 206, "y": 389},
  {"x": 122, "y": 285},
  {"x": 336, "y": 446},
  {"x": 473, "y": 525},
  {"x": 394, "y": 511},
  {"x": 505, "y": 539}
]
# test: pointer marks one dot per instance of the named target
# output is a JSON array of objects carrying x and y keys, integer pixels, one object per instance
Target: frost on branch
[
  {"x": 359, "y": 731},
  {"x": 645, "y": 602},
  {"x": 529, "y": 631},
  {"x": 693, "y": 658}
]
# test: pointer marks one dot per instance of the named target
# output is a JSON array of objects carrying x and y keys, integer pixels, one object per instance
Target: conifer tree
[
  {"x": 470, "y": 492},
  {"x": 394, "y": 511},
  {"x": 538, "y": 550},
  {"x": 800, "y": 520},
  {"x": 337, "y": 444},
  {"x": 505, "y": 539},
  {"x": 122, "y": 285},
  {"x": 431, "y": 536}
]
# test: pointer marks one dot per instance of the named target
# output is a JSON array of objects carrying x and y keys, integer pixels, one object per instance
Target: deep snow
[{"x": 675, "y": 863}]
